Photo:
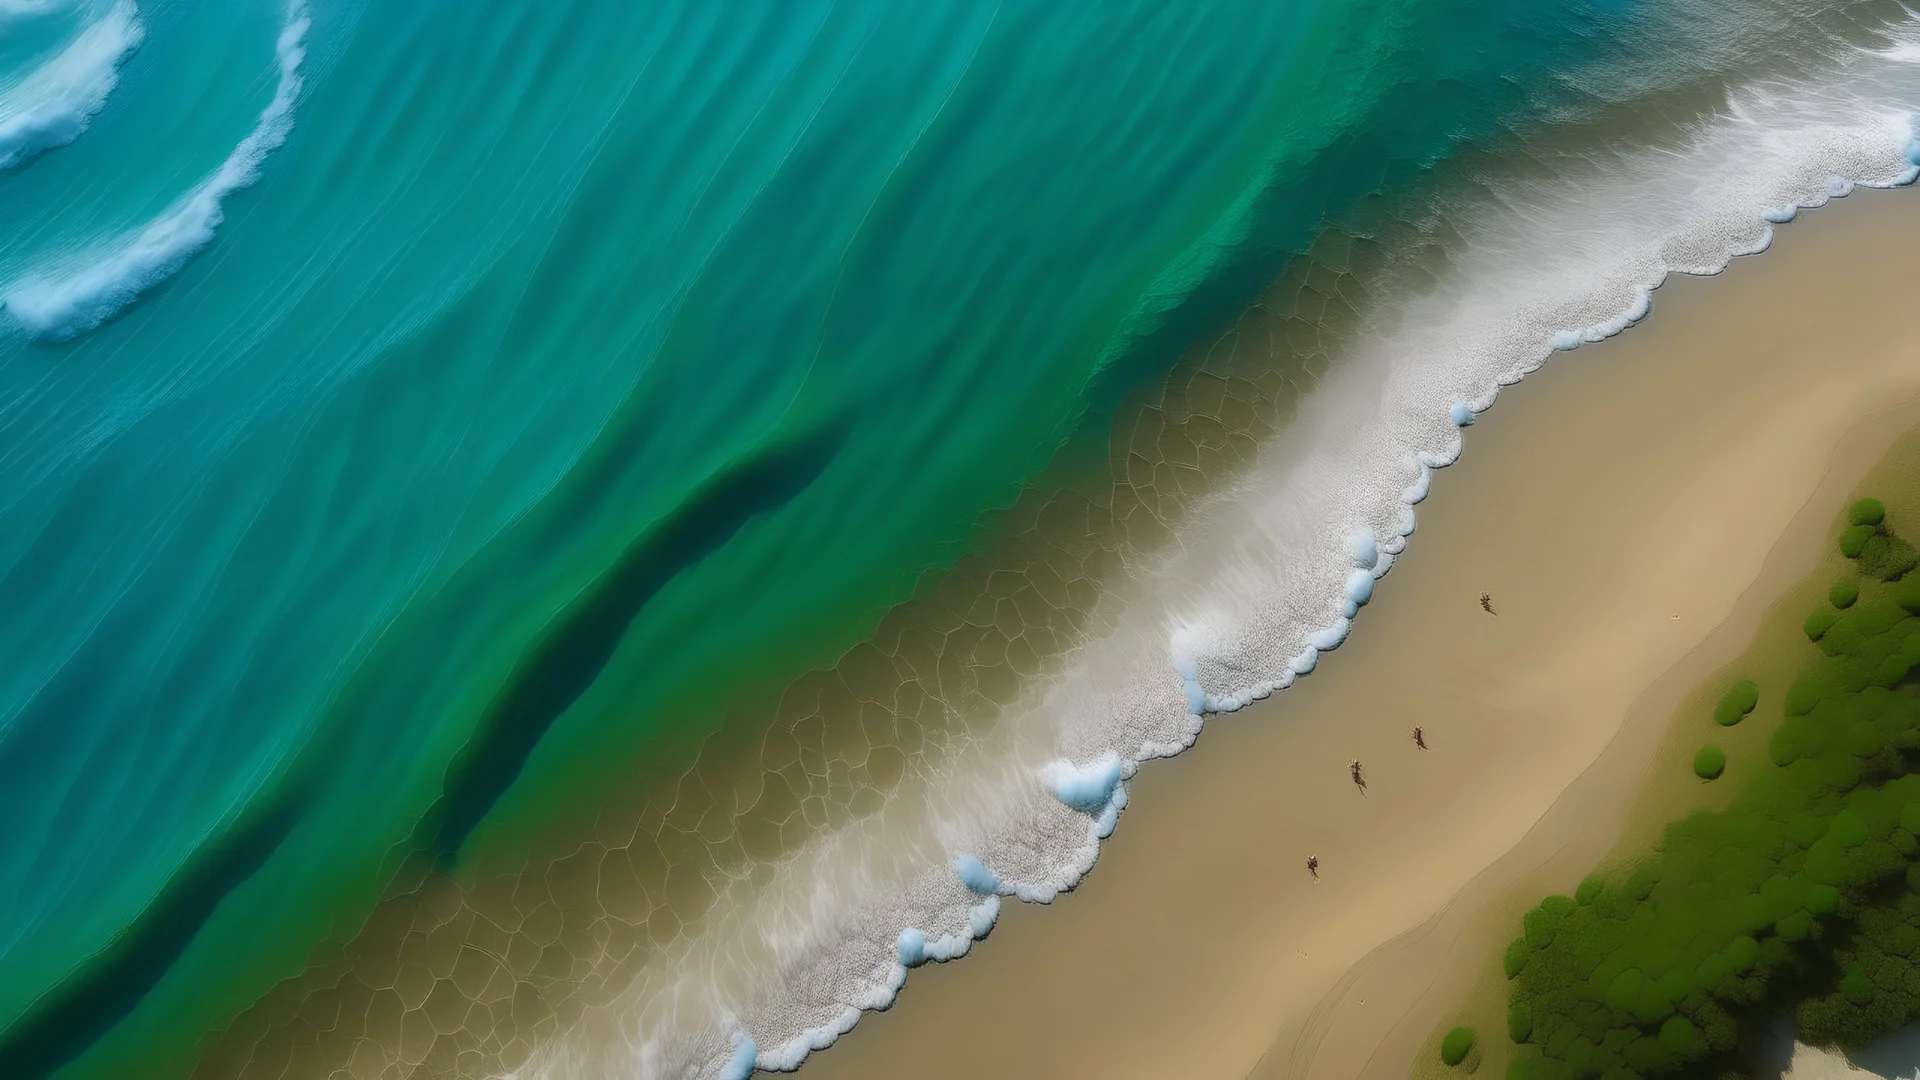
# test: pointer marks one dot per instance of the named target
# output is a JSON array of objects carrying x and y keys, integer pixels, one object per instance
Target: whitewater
[
  {"x": 52, "y": 104},
  {"x": 617, "y": 535},
  {"x": 88, "y": 288},
  {"x": 1263, "y": 579}
]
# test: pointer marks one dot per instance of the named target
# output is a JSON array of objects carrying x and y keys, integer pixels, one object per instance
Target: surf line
[
  {"x": 63, "y": 305},
  {"x": 55, "y": 103}
]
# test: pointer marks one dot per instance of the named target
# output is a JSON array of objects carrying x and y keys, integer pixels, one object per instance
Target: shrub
[
  {"x": 1592, "y": 885},
  {"x": 1623, "y": 990},
  {"x": 1742, "y": 953},
  {"x": 1519, "y": 1021},
  {"x": 1910, "y": 818},
  {"x": 1788, "y": 898},
  {"x": 1641, "y": 884},
  {"x": 1853, "y": 540},
  {"x": 1794, "y": 927},
  {"x": 1848, "y": 829},
  {"x": 1453, "y": 1048},
  {"x": 1866, "y": 512},
  {"x": 1843, "y": 593},
  {"x": 1887, "y": 557},
  {"x": 1803, "y": 695},
  {"x": 1676, "y": 1036},
  {"x": 1515, "y": 957},
  {"x": 1540, "y": 925},
  {"x": 1908, "y": 594},
  {"x": 1738, "y": 702}
]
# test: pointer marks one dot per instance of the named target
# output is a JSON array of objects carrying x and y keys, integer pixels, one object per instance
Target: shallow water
[{"x": 646, "y": 490}]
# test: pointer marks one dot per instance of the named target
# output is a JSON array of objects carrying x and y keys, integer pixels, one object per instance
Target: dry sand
[{"x": 1690, "y": 468}]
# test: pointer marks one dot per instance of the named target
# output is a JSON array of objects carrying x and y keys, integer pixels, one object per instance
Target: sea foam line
[
  {"x": 61, "y": 306},
  {"x": 1264, "y": 581},
  {"x": 56, "y": 102},
  {"x": 21, "y": 10},
  {"x": 1097, "y": 790}
]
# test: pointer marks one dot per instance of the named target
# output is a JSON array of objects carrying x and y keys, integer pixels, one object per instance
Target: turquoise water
[{"x": 413, "y": 413}]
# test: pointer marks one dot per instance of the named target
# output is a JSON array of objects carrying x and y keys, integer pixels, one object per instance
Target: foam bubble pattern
[
  {"x": 55, "y": 103},
  {"x": 61, "y": 302},
  {"x": 978, "y": 745}
]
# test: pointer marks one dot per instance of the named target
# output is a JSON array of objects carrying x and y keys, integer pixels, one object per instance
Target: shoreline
[
  {"x": 1635, "y": 787},
  {"x": 1181, "y": 953}
]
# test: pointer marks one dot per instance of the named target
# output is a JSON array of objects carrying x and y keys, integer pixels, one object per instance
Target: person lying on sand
[
  {"x": 1313, "y": 866},
  {"x": 1359, "y": 778},
  {"x": 1486, "y": 601},
  {"x": 1419, "y": 738}
]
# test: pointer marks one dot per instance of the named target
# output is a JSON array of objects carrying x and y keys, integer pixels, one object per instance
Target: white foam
[
  {"x": 1366, "y": 550},
  {"x": 913, "y": 948},
  {"x": 71, "y": 299},
  {"x": 22, "y": 10},
  {"x": 740, "y": 1063},
  {"x": 974, "y": 875},
  {"x": 1088, "y": 789},
  {"x": 53, "y": 105},
  {"x": 1263, "y": 579}
]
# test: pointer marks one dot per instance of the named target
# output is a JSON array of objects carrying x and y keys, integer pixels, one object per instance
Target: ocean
[{"x": 577, "y": 539}]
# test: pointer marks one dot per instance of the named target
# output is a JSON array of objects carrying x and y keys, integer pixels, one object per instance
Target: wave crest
[
  {"x": 54, "y": 104},
  {"x": 63, "y": 306}
]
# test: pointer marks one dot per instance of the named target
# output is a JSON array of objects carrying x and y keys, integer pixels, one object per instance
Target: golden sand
[{"x": 1633, "y": 510}]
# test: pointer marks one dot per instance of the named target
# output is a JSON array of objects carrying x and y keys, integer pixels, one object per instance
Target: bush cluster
[
  {"x": 1844, "y": 593},
  {"x": 1867, "y": 540},
  {"x": 1453, "y": 1048},
  {"x": 1738, "y": 702},
  {"x": 1804, "y": 893}
]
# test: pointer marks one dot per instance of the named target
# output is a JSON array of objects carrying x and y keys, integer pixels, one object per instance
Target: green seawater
[{"x": 414, "y": 415}]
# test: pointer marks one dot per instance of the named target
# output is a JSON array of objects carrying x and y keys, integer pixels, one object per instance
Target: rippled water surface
[{"x": 587, "y": 538}]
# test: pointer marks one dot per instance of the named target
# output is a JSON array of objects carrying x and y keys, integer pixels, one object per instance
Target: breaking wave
[
  {"x": 73, "y": 299},
  {"x": 53, "y": 104}
]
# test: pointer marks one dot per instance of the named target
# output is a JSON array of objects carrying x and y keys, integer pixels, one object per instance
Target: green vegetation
[
  {"x": 1879, "y": 552},
  {"x": 1887, "y": 557},
  {"x": 1589, "y": 890},
  {"x": 1453, "y": 1048},
  {"x": 1515, "y": 957},
  {"x": 1802, "y": 894},
  {"x": 1519, "y": 1021},
  {"x": 1739, "y": 701},
  {"x": 1843, "y": 593},
  {"x": 1907, "y": 593}
]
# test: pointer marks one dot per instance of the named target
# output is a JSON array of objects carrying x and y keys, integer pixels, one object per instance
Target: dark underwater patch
[
  {"x": 557, "y": 669},
  {"x": 74, "y": 1015}
]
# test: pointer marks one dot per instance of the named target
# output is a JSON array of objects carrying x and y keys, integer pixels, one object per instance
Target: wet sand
[{"x": 1633, "y": 509}]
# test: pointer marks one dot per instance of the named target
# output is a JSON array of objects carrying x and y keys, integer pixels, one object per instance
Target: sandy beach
[{"x": 1632, "y": 509}]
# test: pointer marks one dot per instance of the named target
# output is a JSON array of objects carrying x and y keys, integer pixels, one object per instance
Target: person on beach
[
  {"x": 1419, "y": 738},
  {"x": 1313, "y": 866},
  {"x": 1486, "y": 601},
  {"x": 1359, "y": 779}
]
